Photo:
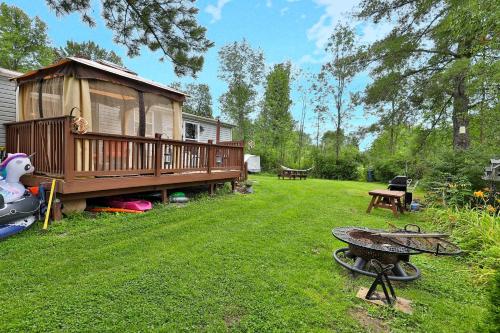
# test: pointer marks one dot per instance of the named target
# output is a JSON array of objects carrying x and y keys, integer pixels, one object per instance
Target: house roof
[
  {"x": 88, "y": 69},
  {"x": 205, "y": 119},
  {"x": 8, "y": 73}
]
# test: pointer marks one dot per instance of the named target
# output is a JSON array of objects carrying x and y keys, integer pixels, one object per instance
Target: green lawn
[{"x": 260, "y": 262}]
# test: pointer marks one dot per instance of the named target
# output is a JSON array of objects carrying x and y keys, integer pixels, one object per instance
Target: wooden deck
[{"x": 95, "y": 164}]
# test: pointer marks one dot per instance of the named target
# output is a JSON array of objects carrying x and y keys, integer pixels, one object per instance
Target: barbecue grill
[{"x": 401, "y": 183}]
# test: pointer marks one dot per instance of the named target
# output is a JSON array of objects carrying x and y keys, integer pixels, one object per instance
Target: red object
[
  {"x": 133, "y": 204},
  {"x": 34, "y": 190}
]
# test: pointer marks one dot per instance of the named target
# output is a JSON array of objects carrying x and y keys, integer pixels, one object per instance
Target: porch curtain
[
  {"x": 177, "y": 124},
  {"x": 159, "y": 116},
  {"x": 52, "y": 99},
  {"x": 113, "y": 108}
]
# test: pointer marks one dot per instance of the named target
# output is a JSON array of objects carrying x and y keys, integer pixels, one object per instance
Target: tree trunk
[
  {"x": 460, "y": 117},
  {"x": 337, "y": 144}
]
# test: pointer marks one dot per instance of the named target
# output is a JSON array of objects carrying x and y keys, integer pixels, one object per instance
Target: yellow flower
[
  {"x": 490, "y": 209},
  {"x": 479, "y": 194}
]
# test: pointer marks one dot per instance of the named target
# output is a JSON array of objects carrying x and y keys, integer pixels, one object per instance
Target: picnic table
[
  {"x": 293, "y": 173},
  {"x": 387, "y": 199}
]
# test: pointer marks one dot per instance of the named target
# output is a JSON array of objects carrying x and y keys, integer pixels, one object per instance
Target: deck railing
[{"x": 59, "y": 152}]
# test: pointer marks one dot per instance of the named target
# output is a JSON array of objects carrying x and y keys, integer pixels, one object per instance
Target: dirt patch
[
  {"x": 371, "y": 324},
  {"x": 231, "y": 320}
]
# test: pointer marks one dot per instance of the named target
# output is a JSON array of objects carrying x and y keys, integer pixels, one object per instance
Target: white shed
[
  {"x": 202, "y": 129},
  {"x": 253, "y": 163},
  {"x": 7, "y": 100}
]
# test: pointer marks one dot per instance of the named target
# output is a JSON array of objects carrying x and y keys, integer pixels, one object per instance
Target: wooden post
[
  {"x": 69, "y": 151},
  {"x": 233, "y": 185},
  {"x": 164, "y": 196},
  {"x": 211, "y": 189},
  {"x": 158, "y": 153},
  {"x": 217, "y": 132},
  {"x": 209, "y": 161}
]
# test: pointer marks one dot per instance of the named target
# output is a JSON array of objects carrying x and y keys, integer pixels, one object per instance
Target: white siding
[
  {"x": 226, "y": 133},
  {"x": 209, "y": 132},
  {"x": 7, "y": 105}
]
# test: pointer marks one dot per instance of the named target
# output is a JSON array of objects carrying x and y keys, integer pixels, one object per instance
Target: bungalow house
[
  {"x": 7, "y": 100},
  {"x": 100, "y": 129}
]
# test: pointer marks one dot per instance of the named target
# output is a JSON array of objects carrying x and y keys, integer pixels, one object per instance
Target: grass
[{"x": 258, "y": 262}]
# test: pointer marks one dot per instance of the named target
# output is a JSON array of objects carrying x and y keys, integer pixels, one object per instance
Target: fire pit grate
[{"x": 368, "y": 239}]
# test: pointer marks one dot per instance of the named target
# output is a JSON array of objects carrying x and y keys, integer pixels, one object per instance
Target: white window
[{"x": 191, "y": 131}]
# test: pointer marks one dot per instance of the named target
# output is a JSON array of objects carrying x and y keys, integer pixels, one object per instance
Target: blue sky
[{"x": 286, "y": 30}]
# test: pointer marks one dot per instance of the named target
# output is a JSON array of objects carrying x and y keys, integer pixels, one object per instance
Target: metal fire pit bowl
[{"x": 364, "y": 245}]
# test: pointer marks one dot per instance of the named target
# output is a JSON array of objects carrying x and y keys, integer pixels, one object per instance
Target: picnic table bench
[
  {"x": 293, "y": 173},
  {"x": 387, "y": 199}
]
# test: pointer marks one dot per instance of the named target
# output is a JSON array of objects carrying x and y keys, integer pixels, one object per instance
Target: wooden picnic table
[{"x": 387, "y": 199}]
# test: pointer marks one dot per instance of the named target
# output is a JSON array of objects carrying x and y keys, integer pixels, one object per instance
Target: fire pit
[
  {"x": 388, "y": 248},
  {"x": 365, "y": 244}
]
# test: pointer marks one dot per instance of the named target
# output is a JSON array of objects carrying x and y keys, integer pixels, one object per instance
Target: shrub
[
  {"x": 476, "y": 231},
  {"x": 329, "y": 168},
  {"x": 448, "y": 190}
]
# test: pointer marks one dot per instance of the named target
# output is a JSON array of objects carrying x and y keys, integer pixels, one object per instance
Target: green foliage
[
  {"x": 242, "y": 68},
  {"x": 493, "y": 322},
  {"x": 476, "y": 231},
  {"x": 441, "y": 54},
  {"x": 199, "y": 101},
  {"x": 329, "y": 167},
  {"x": 274, "y": 126},
  {"x": 24, "y": 44},
  {"x": 454, "y": 191},
  {"x": 166, "y": 26},
  {"x": 88, "y": 50},
  {"x": 469, "y": 164}
]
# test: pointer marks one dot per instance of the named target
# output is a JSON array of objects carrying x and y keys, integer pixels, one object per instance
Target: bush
[
  {"x": 469, "y": 164},
  {"x": 329, "y": 168},
  {"x": 388, "y": 168},
  {"x": 448, "y": 191}
]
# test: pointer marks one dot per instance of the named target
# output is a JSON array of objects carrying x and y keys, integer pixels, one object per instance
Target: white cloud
[
  {"x": 283, "y": 11},
  {"x": 216, "y": 11},
  {"x": 336, "y": 11},
  {"x": 339, "y": 11}
]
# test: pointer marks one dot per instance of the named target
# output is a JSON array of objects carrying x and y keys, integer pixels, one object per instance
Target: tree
[
  {"x": 446, "y": 50},
  {"x": 199, "y": 101},
  {"x": 275, "y": 120},
  {"x": 88, "y": 50},
  {"x": 304, "y": 89},
  {"x": 242, "y": 68},
  {"x": 24, "y": 43},
  {"x": 166, "y": 26},
  {"x": 337, "y": 74}
]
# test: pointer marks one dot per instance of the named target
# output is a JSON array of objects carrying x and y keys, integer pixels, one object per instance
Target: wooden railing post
[
  {"x": 209, "y": 157},
  {"x": 158, "y": 153},
  {"x": 69, "y": 151}
]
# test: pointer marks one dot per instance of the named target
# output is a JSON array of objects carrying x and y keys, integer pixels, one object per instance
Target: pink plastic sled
[{"x": 133, "y": 204}]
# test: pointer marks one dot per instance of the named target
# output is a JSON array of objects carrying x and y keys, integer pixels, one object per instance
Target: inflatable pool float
[
  {"x": 132, "y": 204},
  {"x": 20, "y": 209},
  {"x": 14, "y": 227},
  {"x": 179, "y": 199}
]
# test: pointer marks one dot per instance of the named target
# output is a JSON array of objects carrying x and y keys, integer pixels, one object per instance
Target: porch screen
[
  {"x": 159, "y": 116},
  {"x": 52, "y": 98},
  {"x": 113, "y": 107}
]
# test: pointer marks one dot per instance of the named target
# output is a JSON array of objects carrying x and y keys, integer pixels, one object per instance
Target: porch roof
[{"x": 88, "y": 69}]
